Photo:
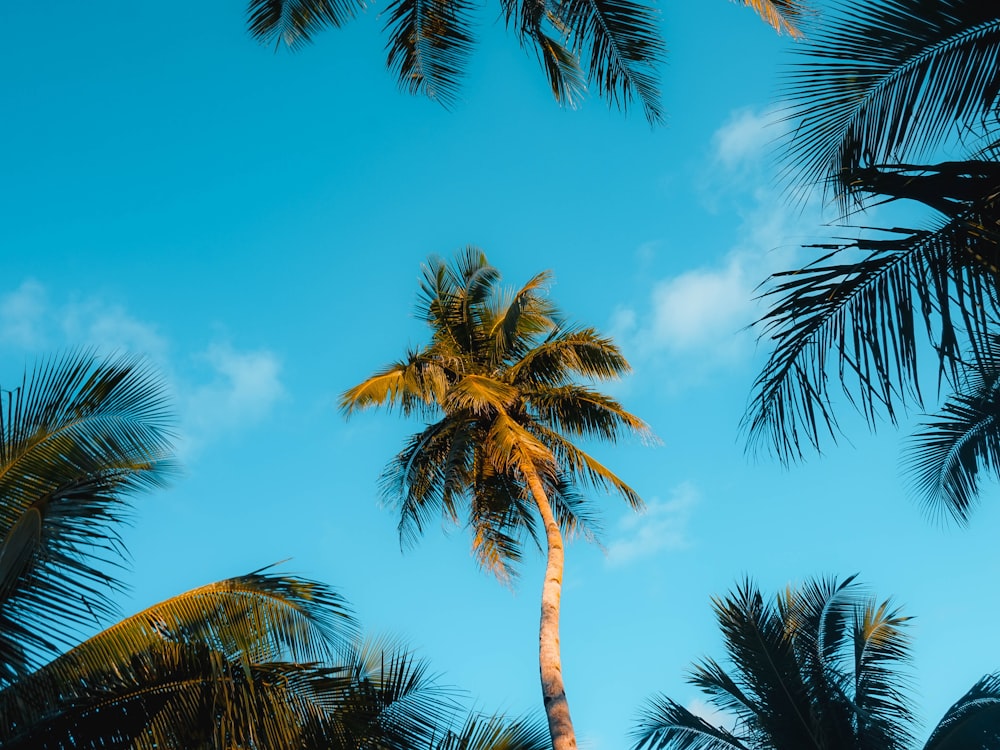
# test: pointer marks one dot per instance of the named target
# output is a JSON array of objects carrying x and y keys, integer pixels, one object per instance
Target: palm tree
[
  {"x": 259, "y": 661},
  {"x": 883, "y": 89},
  {"x": 430, "y": 41},
  {"x": 820, "y": 666},
  {"x": 495, "y": 383}
]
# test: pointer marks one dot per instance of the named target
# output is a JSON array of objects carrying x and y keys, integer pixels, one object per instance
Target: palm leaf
[
  {"x": 294, "y": 22},
  {"x": 948, "y": 453},
  {"x": 77, "y": 438},
  {"x": 666, "y": 725},
  {"x": 782, "y": 15},
  {"x": 482, "y": 732},
  {"x": 974, "y": 721},
  {"x": 570, "y": 351},
  {"x": 429, "y": 44},
  {"x": 623, "y": 47},
  {"x": 890, "y": 81}
]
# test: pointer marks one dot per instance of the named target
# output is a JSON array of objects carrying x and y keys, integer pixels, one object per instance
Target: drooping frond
[
  {"x": 623, "y": 47},
  {"x": 294, "y": 22},
  {"x": 429, "y": 46},
  {"x": 857, "y": 322},
  {"x": 581, "y": 411},
  {"x": 567, "y": 352},
  {"x": 890, "y": 81},
  {"x": 585, "y": 468},
  {"x": 974, "y": 721},
  {"x": 947, "y": 454},
  {"x": 482, "y": 732},
  {"x": 77, "y": 438},
  {"x": 666, "y": 725},
  {"x": 416, "y": 385}
]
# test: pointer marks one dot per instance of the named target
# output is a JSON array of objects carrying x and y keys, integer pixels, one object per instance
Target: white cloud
[
  {"x": 110, "y": 328},
  {"x": 704, "y": 313},
  {"x": 22, "y": 316},
  {"x": 746, "y": 137},
  {"x": 244, "y": 388},
  {"x": 663, "y": 526}
]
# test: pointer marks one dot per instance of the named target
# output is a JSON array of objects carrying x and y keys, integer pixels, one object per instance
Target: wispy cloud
[
  {"x": 219, "y": 389},
  {"x": 244, "y": 387},
  {"x": 663, "y": 526},
  {"x": 705, "y": 312},
  {"x": 22, "y": 316}
]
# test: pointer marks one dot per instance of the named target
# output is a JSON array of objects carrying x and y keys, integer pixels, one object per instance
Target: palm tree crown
[
  {"x": 496, "y": 381},
  {"x": 821, "y": 666}
]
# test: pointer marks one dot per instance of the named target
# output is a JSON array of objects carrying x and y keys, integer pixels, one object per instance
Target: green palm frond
[
  {"x": 294, "y": 22},
  {"x": 890, "y": 81},
  {"x": 973, "y": 722},
  {"x": 666, "y": 725},
  {"x": 622, "y": 46},
  {"x": 581, "y": 411},
  {"x": 77, "y": 438},
  {"x": 947, "y": 454}
]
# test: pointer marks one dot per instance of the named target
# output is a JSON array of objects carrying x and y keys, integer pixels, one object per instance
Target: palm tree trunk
[{"x": 549, "y": 661}]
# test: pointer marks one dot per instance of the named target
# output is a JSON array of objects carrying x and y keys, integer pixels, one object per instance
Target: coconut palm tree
[
  {"x": 613, "y": 44},
  {"x": 259, "y": 661},
  {"x": 496, "y": 385},
  {"x": 821, "y": 666},
  {"x": 882, "y": 90}
]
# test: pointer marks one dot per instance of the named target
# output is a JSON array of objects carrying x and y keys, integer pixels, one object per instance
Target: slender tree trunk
[{"x": 549, "y": 661}]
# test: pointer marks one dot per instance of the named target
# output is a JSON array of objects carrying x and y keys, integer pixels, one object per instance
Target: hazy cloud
[
  {"x": 663, "y": 526},
  {"x": 243, "y": 389},
  {"x": 22, "y": 316}
]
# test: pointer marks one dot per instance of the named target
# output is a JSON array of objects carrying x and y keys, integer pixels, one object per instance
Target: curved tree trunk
[{"x": 549, "y": 661}]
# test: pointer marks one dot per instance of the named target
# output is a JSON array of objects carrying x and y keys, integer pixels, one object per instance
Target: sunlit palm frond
[
  {"x": 77, "y": 438},
  {"x": 480, "y": 396},
  {"x": 416, "y": 385},
  {"x": 782, "y": 15},
  {"x": 294, "y": 22},
  {"x": 622, "y": 44},
  {"x": 585, "y": 468},
  {"x": 881, "y": 650},
  {"x": 890, "y": 81},
  {"x": 666, "y": 725},
  {"x": 581, "y": 411},
  {"x": 572, "y": 351},
  {"x": 451, "y": 297},
  {"x": 515, "y": 322},
  {"x": 973, "y": 722},
  {"x": 574, "y": 512},
  {"x": 429, "y": 45}
]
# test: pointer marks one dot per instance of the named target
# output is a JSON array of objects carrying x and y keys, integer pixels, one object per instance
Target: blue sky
[{"x": 255, "y": 223}]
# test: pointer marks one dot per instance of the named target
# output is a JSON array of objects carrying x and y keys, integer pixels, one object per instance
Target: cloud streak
[{"x": 663, "y": 527}]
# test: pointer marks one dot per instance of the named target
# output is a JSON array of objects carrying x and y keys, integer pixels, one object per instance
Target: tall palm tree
[
  {"x": 259, "y": 661},
  {"x": 496, "y": 386},
  {"x": 881, "y": 92},
  {"x": 430, "y": 40},
  {"x": 821, "y": 666}
]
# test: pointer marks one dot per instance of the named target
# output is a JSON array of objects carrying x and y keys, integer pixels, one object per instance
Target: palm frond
[
  {"x": 948, "y": 453},
  {"x": 429, "y": 44},
  {"x": 294, "y": 22},
  {"x": 889, "y": 81},
  {"x": 881, "y": 648},
  {"x": 974, "y": 720},
  {"x": 782, "y": 15},
  {"x": 567, "y": 352},
  {"x": 582, "y": 411},
  {"x": 77, "y": 438},
  {"x": 666, "y": 725},
  {"x": 623, "y": 48},
  {"x": 496, "y": 732},
  {"x": 415, "y": 385}
]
